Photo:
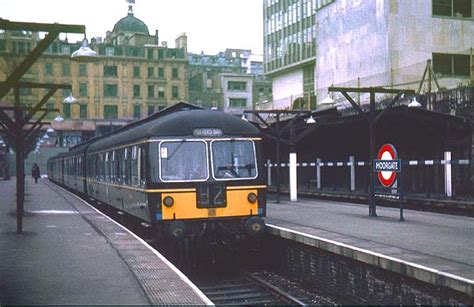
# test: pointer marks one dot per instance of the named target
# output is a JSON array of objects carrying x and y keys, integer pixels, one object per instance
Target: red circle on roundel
[{"x": 387, "y": 149}]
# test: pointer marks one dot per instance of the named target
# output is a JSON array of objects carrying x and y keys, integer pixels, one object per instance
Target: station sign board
[{"x": 387, "y": 165}]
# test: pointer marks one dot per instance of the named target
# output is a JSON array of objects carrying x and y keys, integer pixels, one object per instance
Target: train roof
[{"x": 180, "y": 124}]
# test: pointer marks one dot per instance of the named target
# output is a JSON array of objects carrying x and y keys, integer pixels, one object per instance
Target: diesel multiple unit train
[{"x": 186, "y": 171}]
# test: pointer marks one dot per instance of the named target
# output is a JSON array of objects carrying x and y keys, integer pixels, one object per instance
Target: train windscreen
[
  {"x": 234, "y": 159},
  {"x": 183, "y": 161}
]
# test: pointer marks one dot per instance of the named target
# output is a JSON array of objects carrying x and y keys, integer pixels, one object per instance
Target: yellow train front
[{"x": 189, "y": 173}]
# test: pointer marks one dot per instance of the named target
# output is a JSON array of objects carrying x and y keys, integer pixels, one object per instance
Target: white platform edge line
[
  {"x": 459, "y": 278},
  {"x": 183, "y": 277}
]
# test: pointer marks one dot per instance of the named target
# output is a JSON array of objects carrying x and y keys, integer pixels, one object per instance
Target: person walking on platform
[{"x": 35, "y": 172}]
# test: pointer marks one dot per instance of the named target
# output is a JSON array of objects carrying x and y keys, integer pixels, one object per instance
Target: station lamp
[
  {"x": 50, "y": 130},
  {"x": 85, "y": 54},
  {"x": 59, "y": 119},
  {"x": 414, "y": 103},
  {"x": 311, "y": 120},
  {"x": 327, "y": 100},
  {"x": 70, "y": 99}
]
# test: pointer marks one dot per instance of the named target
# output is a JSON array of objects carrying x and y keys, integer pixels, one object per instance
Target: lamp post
[{"x": 372, "y": 118}]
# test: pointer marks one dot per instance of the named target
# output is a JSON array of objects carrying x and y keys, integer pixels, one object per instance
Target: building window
[
  {"x": 110, "y": 90},
  {"x": 151, "y": 91},
  {"x": 50, "y": 105},
  {"x": 67, "y": 110},
  {"x": 26, "y": 91},
  {"x": 65, "y": 49},
  {"x": 136, "y": 71},
  {"x": 161, "y": 72},
  {"x": 237, "y": 102},
  {"x": 83, "y": 111},
  {"x": 48, "y": 69},
  {"x": 82, "y": 89},
  {"x": 160, "y": 53},
  {"x": 82, "y": 70},
  {"x": 66, "y": 69},
  {"x": 136, "y": 90},
  {"x": 451, "y": 64},
  {"x": 110, "y": 112},
  {"x": 174, "y": 73},
  {"x": 109, "y": 51},
  {"x": 110, "y": 71},
  {"x": 151, "y": 72},
  {"x": 175, "y": 92},
  {"x": 137, "y": 111},
  {"x": 452, "y": 8},
  {"x": 161, "y": 92},
  {"x": 151, "y": 110},
  {"x": 236, "y": 86},
  {"x": 149, "y": 53}
]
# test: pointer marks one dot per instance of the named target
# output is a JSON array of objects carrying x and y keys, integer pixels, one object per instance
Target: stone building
[
  {"x": 209, "y": 77},
  {"x": 310, "y": 45},
  {"x": 136, "y": 76}
]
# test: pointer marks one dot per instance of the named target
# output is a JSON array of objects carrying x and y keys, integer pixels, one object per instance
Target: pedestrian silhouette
[{"x": 35, "y": 172}]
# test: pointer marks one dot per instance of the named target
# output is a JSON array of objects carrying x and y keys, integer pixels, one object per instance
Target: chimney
[{"x": 157, "y": 38}]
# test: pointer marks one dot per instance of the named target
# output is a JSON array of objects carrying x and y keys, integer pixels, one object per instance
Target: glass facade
[{"x": 290, "y": 32}]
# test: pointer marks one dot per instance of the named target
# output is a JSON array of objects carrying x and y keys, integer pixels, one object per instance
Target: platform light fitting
[
  {"x": 50, "y": 130},
  {"x": 59, "y": 119},
  {"x": 69, "y": 99},
  {"x": 327, "y": 100},
  {"x": 45, "y": 136},
  {"x": 414, "y": 103},
  {"x": 85, "y": 54},
  {"x": 311, "y": 120},
  {"x": 244, "y": 118}
]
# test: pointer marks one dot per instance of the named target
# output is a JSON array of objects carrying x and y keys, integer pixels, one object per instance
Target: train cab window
[
  {"x": 183, "y": 161},
  {"x": 234, "y": 160}
]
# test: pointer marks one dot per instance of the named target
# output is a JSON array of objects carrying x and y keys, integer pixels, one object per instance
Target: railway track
[{"x": 245, "y": 289}]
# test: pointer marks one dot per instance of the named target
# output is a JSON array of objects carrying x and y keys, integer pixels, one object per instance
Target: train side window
[
  {"x": 134, "y": 166},
  {"x": 107, "y": 167},
  {"x": 112, "y": 167},
  {"x": 142, "y": 165},
  {"x": 127, "y": 166},
  {"x": 153, "y": 151}
]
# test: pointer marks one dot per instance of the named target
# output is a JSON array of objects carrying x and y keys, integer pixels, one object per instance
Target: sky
[{"x": 211, "y": 25}]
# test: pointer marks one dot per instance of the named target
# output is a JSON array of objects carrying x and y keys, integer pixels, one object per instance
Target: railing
[{"x": 435, "y": 179}]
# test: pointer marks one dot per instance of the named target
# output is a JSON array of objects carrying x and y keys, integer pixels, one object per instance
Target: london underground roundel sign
[{"x": 387, "y": 165}]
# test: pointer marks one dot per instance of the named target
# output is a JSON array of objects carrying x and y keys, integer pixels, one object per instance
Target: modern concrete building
[
  {"x": 313, "y": 44},
  {"x": 136, "y": 76}
]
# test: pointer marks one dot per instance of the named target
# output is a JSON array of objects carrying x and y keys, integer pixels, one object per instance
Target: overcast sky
[{"x": 211, "y": 25}]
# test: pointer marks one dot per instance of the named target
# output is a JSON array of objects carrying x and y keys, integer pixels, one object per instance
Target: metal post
[
  {"x": 318, "y": 173},
  {"x": 269, "y": 172},
  {"x": 20, "y": 163},
  {"x": 277, "y": 179},
  {"x": 402, "y": 195},
  {"x": 448, "y": 189},
  {"x": 293, "y": 177},
  {"x": 372, "y": 209},
  {"x": 352, "y": 165}
]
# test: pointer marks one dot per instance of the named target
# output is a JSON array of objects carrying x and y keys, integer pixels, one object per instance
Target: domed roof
[{"x": 131, "y": 24}]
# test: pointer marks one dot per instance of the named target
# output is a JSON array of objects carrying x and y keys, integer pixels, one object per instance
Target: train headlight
[
  {"x": 168, "y": 201},
  {"x": 252, "y": 198}
]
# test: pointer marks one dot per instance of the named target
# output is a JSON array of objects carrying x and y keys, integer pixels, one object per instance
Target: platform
[
  {"x": 431, "y": 247},
  {"x": 70, "y": 253}
]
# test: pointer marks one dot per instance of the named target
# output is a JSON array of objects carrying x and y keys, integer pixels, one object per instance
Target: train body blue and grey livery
[{"x": 182, "y": 170}]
